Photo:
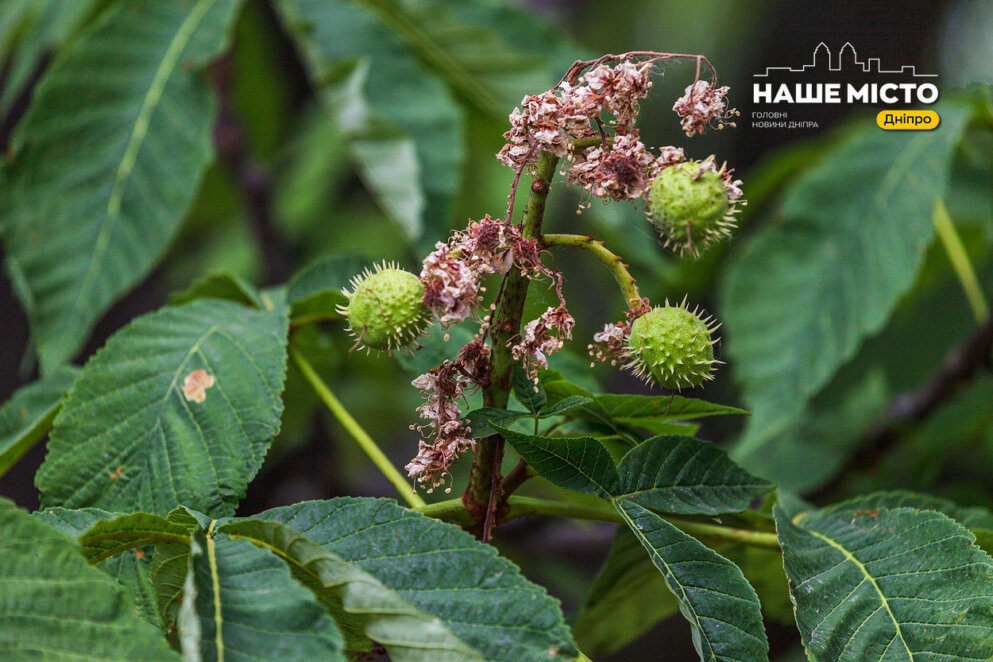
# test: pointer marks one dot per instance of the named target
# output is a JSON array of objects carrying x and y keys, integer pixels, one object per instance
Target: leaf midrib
[
  {"x": 684, "y": 599},
  {"x": 607, "y": 489},
  {"x": 872, "y": 582},
  {"x": 135, "y": 141},
  {"x": 215, "y": 580}
]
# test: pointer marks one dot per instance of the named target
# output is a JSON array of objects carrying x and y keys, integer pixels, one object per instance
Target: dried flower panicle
[
  {"x": 704, "y": 105},
  {"x": 589, "y": 120},
  {"x": 669, "y": 155},
  {"x": 488, "y": 245},
  {"x": 547, "y": 122},
  {"x": 620, "y": 172},
  {"x": 542, "y": 338},
  {"x": 452, "y": 272},
  {"x": 446, "y": 436},
  {"x": 619, "y": 88},
  {"x": 451, "y": 286},
  {"x": 611, "y": 343}
]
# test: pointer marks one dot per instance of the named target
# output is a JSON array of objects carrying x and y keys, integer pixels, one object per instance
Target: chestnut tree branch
[{"x": 482, "y": 496}]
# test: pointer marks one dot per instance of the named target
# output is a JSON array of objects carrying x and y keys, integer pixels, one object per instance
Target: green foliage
[
  {"x": 682, "y": 475},
  {"x": 575, "y": 463},
  {"x": 791, "y": 328},
  {"x": 719, "y": 603},
  {"x": 355, "y": 132},
  {"x": 141, "y": 146},
  {"x": 250, "y": 608},
  {"x": 53, "y": 606},
  {"x": 27, "y": 416},
  {"x": 628, "y": 414},
  {"x": 528, "y": 393},
  {"x": 316, "y": 290},
  {"x": 150, "y": 445},
  {"x": 481, "y": 598},
  {"x": 221, "y": 285},
  {"x": 872, "y": 582}
]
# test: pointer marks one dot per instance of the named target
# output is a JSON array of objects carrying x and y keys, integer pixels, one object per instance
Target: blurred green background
[{"x": 361, "y": 144}]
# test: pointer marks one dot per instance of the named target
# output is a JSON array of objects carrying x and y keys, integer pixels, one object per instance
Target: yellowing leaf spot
[{"x": 196, "y": 384}]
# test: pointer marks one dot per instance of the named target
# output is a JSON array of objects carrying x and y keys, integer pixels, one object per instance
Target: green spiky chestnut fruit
[
  {"x": 385, "y": 311},
  {"x": 673, "y": 347},
  {"x": 690, "y": 206}
]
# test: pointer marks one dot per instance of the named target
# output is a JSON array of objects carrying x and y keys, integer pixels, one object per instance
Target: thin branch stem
[
  {"x": 363, "y": 439},
  {"x": 484, "y": 478},
  {"x": 521, "y": 472},
  {"x": 625, "y": 281},
  {"x": 959, "y": 258},
  {"x": 579, "y": 66},
  {"x": 521, "y": 506}
]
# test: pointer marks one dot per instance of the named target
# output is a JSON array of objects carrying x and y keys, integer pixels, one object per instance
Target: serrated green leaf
[
  {"x": 807, "y": 290},
  {"x": 358, "y": 601},
  {"x": 575, "y": 463},
  {"x": 481, "y": 420},
  {"x": 978, "y": 520},
  {"x": 220, "y": 286},
  {"x": 628, "y": 596},
  {"x": 53, "y": 606},
  {"x": 27, "y": 416},
  {"x": 564, "y": 405},
  {"x": 529, "y": 394},
  {"x": 967, "y": 516},
  {"x": 478, "y": 596},
  {"x": 103, "y": 534},
  {"x": 887, "y": 584},
  {"x": 629, "y": 409},
  {"x": 171, "y": 578},
  {"x": 169, "y": 573},
  {"x": 763, "y": 568},
  {"x": 100, "y": 532},
  {"x": 84, "y": 225},
  {"x": 626, "y": 413},
  {"x": 686, "y": 476},
  {"x": 129, "y": 438},
  {"x": 249, "y": 607},
  {"x": 719, "y": 603}
]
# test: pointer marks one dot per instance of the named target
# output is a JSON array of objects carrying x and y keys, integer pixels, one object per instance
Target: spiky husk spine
[
  {"x": 691, "y": 206},
  {"x": 673, "y": 347},
  {"x": 385, "y": 310}
]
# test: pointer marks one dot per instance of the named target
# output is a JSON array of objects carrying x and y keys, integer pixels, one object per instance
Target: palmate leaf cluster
[{"x": 137, "y": 553}]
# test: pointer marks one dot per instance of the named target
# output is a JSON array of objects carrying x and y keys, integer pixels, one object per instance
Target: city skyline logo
[
  {"x": 843, "y": 78},
  {"x": 824, "y": 60}
]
